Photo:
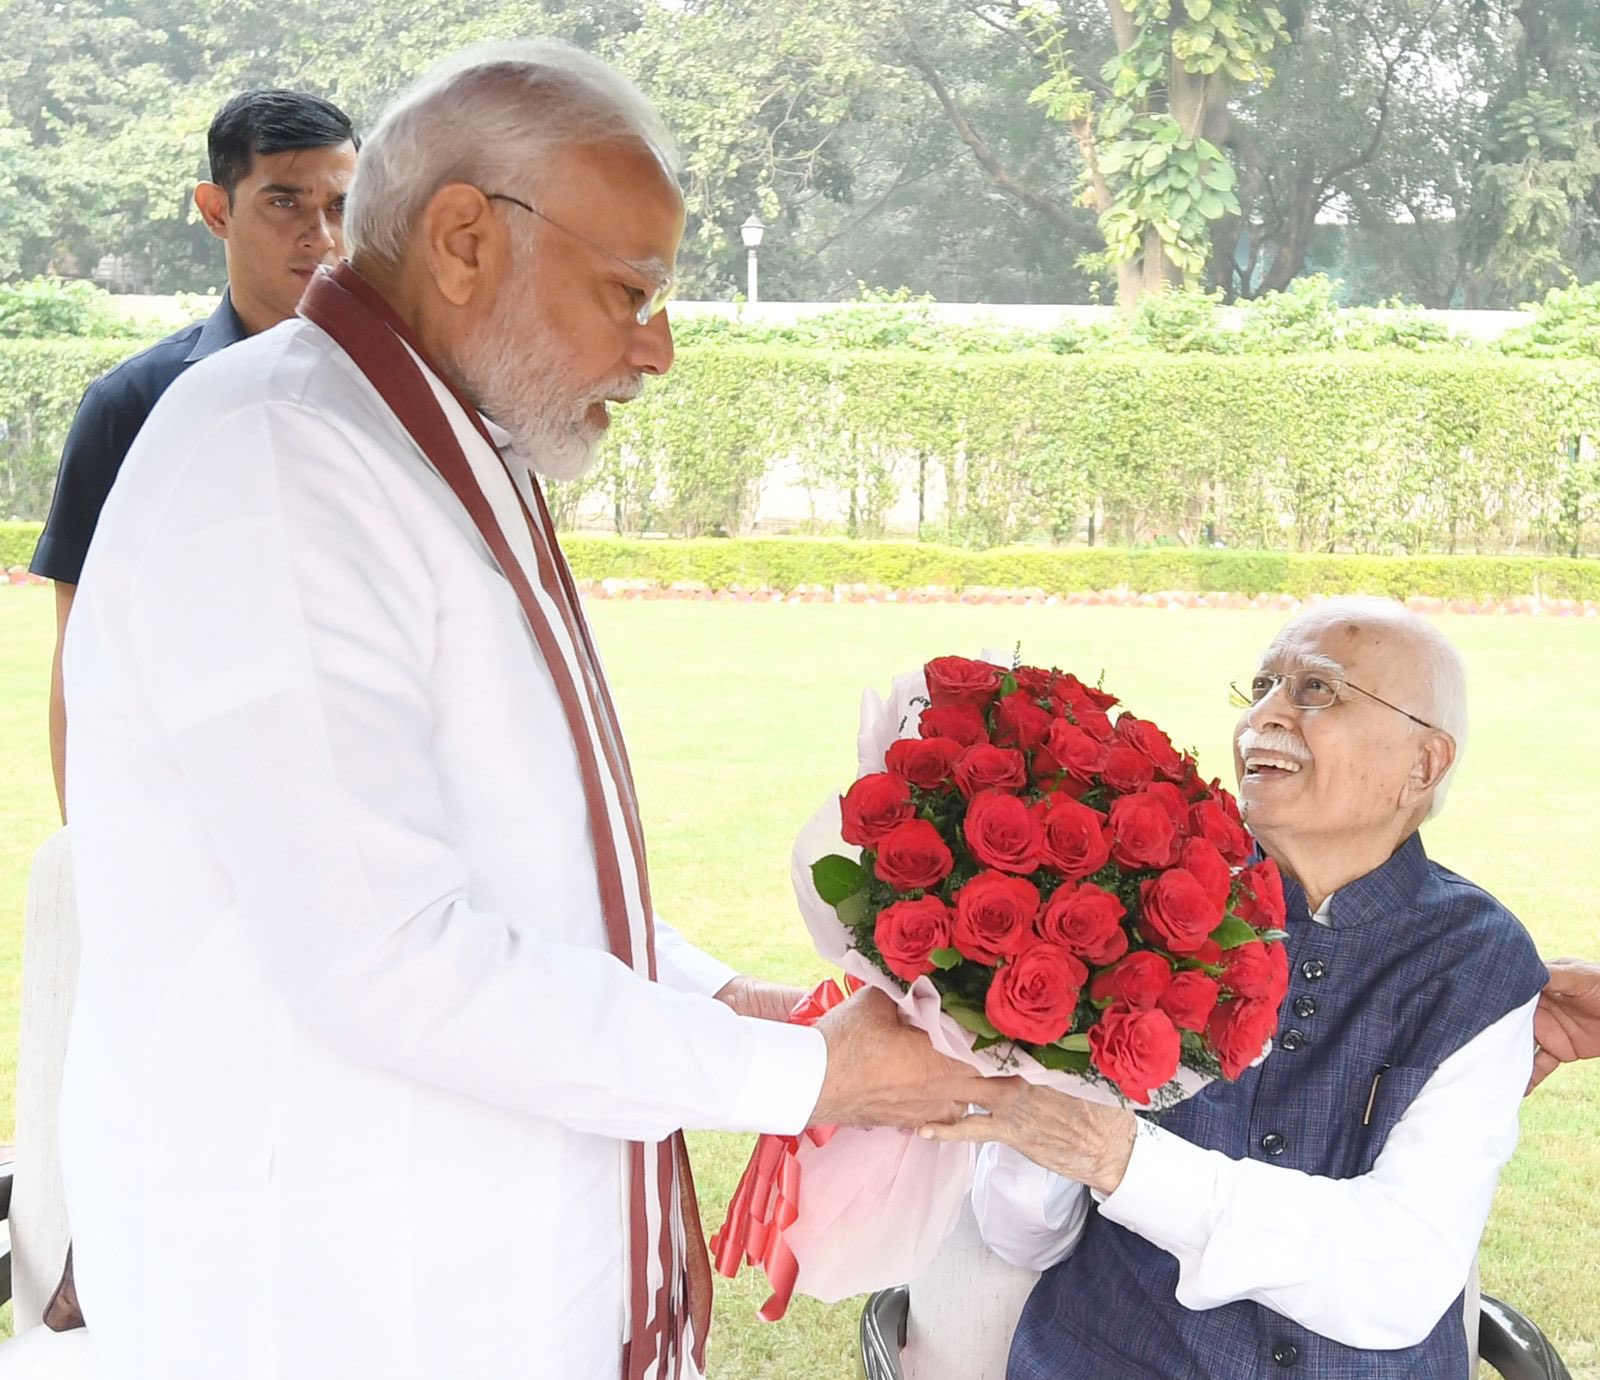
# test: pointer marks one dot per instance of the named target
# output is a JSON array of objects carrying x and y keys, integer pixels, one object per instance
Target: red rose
[
  {"x": 1034, "y": 996},
  {"x": 1179, "y": 910},
  {"x": 1142, "y": 832},
  {"x": 1201, "y": 858},
  {"x": 994, "y": 917},
  {"x": 1190, "y": 1000},
  {"x": 960, "y": 723},
  {"x": 1094, "y": 722},
  {"x": 873, "y": 806},
  {"x": 906, "y": 932},
  {"x": 1224, "y": 798},
  {"x": 955, "y": 680},
  {"x": 1136, "y": 1050},
  {"x": 1259, "y": 898},
  {"x": 1075, "y": 840},
  {"x": 1019, "y": 722},
  {"x": 912, "y": 857},
  {"x": 1137, "y": 980},
  {"x": 1126, "y": 768},
  {"x": 1248, "y": 971},
  {"x": 1211, "y": 821},
  {"x": 1038, "y": 682},
  {"x": 1238, "y": 1029},
  {"x": 1002, "y": 832},
  {"x": 924, "y": 762},
  {"x": 984, "y": 767},
  {"x": 1176, "y": 806},
  {"x": 1154, "y": 744},
  {"x": 1088, "y": 920},
  {"x": 1209, "y": 953},
  {"x": 1081, "y": 696},
  {"x": 1074, "y": 750}
]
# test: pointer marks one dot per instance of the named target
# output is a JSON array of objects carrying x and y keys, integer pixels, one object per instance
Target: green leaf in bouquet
[
  {"x": 945, "y": 958},
  {"x": 970, "y": 1018},
  {"x": 1076, "y": 1043},
  {"x": 1063, "y": 1060},
  {"x": 837, "y": 878},
  {"x": 1233, "y": 932},
  {"x": 1273, "y": 936},
  {"x": 987, "y": 1042},
  {"x": 853, "y": 910}
]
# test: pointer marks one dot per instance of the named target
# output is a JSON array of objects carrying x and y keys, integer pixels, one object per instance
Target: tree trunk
[{"x": 1290, "y": 260}]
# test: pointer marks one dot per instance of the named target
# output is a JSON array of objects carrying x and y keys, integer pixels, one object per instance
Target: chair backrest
[{"x": 49, "y": 981}]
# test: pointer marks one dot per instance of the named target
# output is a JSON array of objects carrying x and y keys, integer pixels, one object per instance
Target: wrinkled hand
[
  {"x": 765, "y": 1001},
  {"x": 884, "y": 1073},
  {"x": 1566, "y": 1023},
  {"x": 1076, "y": 1139}
]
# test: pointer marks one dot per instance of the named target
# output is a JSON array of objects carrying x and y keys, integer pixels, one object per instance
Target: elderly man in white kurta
[{"x": 380, "y": 1057}]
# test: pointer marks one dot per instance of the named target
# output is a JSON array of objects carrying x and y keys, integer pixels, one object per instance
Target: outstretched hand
[
  {"x": 882, "y": 1072},
  {"x": 1074, "y": 1138},
  {"x": 1566, "y": 1023}
]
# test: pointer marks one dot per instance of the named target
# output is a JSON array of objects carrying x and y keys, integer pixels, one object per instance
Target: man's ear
[
  {"x": 214, "y": 206},
  {"x": 1435, "y": 754},
  {"x": 464, "y": 242}
]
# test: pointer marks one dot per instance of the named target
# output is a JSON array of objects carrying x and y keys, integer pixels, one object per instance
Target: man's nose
[
  {"x": 320, "y": 234},
  {"x": 650, "y": 349},
  {"x": 1275, "y": 709}
]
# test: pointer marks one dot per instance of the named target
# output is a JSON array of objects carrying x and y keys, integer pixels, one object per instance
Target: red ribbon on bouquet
[{"x": 767, "y": 1202}]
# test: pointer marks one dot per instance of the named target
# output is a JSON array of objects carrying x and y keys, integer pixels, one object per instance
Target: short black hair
[{"x": 267, "y": 122}]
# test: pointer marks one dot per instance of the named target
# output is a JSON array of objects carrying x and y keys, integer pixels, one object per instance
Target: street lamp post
[{"x": 752, "y": 231}]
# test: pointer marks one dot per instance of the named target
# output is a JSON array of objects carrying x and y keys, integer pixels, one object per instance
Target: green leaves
[
  {"x": 837, "y": 878},
  {"x": 945, "y": 959},
  {"x": 970, "y": 1018},
  {"x": 1233, "y": 932},
  {"x": 1063, "y": 1060}
]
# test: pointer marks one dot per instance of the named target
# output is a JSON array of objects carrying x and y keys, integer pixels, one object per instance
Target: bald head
[{"x": 1359, "y": 717}]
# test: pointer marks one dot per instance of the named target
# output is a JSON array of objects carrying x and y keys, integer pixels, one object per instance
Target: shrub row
[
  {"x": 785, "y": 563},
  {"x": 1380, "y": 453}
]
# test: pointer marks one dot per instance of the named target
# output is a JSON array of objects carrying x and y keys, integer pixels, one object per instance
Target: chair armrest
[
  {"x": 5, "y": 1215},
  {"x": 883, "y": 1333},
  {"x": 1514, "y": 1346}
]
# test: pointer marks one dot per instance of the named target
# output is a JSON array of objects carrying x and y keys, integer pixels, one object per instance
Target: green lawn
[{"x": 741, "y": 717}]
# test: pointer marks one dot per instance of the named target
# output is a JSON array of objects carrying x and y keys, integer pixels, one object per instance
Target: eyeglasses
[
  {"x": 1309, "y": 690},
  {"x": 652, "y": 304}
]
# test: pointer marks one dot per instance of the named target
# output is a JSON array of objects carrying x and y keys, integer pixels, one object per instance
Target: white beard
[{"x": 521, "y": 378}]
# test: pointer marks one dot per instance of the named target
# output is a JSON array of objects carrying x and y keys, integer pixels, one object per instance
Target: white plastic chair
[{"x": 30, "y": 1189}]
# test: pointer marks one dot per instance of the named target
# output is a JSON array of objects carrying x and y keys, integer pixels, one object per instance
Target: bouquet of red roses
[
  {"x": 1044, "y": 892},
  {"x": 1069, "y": 884}
]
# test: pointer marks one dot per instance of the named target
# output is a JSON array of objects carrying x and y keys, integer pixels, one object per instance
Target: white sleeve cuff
[
  {"x": 1168, "y": 1194},
  {"x": 787, "y": 1065},
  {"x": 684, "y": 968}
]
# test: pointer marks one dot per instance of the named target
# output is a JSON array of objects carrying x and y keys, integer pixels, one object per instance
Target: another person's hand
[
  {"x": 766, "y": 1001},
  {"x": 1079, "y": 1140},
  {"x": 884, "y": 1073},
  {"x": 1566, "y": 1023}
]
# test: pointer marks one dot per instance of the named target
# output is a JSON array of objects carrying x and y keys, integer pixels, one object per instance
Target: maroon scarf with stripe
[{"x": 678, "y": 1313}]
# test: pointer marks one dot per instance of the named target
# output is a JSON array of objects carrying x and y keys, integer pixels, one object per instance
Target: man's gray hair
[
  {"x": 1447, "y": 705},
  {"x": 489, "y": 115}
]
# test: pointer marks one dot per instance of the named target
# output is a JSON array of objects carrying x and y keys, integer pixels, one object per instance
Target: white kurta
[{"x": 351, "y": 1066}]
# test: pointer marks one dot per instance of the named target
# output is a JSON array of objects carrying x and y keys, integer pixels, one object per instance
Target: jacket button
[
  {"x": 1314, "y": 970},
  {"x": 1291, "y": 1041},
  {"x": 1273, "y": 1143},
  {"x": 1305, "y": 1007},
  {"x": 1286, "y": 1353}
]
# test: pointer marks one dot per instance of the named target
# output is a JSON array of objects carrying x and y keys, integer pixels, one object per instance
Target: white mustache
[{"x": 1275, "y": 744}]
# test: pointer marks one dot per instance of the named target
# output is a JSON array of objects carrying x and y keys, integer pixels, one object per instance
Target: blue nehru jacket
[
  {"x": 1415, "y": 962},
  {"x": 108, "y": 418}
]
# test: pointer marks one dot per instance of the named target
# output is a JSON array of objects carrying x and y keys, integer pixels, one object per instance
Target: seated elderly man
[{"x": 1320, "y": 1215}]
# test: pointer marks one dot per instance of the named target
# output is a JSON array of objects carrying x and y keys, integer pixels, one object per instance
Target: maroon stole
[{"x": 669, "y": 1321}]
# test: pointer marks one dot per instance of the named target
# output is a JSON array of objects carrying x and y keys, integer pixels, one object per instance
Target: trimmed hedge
[
  {"x": 1386, "y": 453},
  {"x": 17, "y": 540},
  {"x": 786, "y": 562}
]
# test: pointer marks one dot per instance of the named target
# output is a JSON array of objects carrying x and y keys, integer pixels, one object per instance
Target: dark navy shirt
[{"x": 108, "y": 418}]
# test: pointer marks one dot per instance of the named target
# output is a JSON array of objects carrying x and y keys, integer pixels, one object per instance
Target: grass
[{"x": 742, "y": 717}]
